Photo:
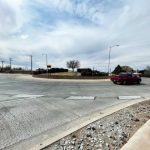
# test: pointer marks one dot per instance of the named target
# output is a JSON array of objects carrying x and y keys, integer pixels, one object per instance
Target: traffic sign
[{"x": 49, "y": 66}]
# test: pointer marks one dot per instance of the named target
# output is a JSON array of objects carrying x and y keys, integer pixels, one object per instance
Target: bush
[
  {"x": 52, "y": 70},
  {"x": 84, "y": 70},
  {"x": 57, "y": 70},
  {"x": 146, "y": 74},
  {"x": 90, "y": 72},
  {"x": 86, "y": 73},
  {"x": 39, "y": 71}
]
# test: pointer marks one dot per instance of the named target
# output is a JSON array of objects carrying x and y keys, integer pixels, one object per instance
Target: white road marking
[
  {"x": 27, "y": 96},
  {"x": 81, "y": 98},
  {"x": 129, "y": 97}
]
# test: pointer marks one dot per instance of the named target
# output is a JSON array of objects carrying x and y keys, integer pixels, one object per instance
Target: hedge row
[{"x": 52, "y": 70}]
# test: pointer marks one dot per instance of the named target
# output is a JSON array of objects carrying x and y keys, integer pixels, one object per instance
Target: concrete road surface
[{"x": 29, "y": 107}]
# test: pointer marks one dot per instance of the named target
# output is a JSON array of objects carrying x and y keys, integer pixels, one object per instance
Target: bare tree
[{"x": 73, "y": 64}]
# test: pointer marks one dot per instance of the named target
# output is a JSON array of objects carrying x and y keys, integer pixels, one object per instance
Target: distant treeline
[
  {"x": 83, "y": 71},
  {"x": 7, "y": 69},
  {"x": 52, "y": 70},
  {"x": 90, "y": 72}
]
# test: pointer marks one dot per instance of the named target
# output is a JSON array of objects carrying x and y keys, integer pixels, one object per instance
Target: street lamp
[
  {"x": 10, "y": 60},
  {"x": 31, "y": 59},
  {"x": 109, "y": 57},
  {"x": 46, "y": 61}
]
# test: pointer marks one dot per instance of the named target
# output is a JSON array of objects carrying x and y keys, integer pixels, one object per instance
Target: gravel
[{"x": 108, "y": 133}]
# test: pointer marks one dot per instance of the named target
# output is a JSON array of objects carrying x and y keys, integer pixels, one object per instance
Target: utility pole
[
  {"x": 31, "y": 62},
  {"x": 10, "y": 60},
  {"x": 2, "y": 65}
]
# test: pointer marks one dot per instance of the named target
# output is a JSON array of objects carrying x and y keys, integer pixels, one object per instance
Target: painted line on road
[
  {"x": 129, "y": 97},
  {"x": 27, "y": 96},
  {"x": 81, "y": 98}
]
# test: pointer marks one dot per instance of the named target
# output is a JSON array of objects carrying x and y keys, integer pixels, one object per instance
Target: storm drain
[
  {"x": 81, "y": 98},
  {"x": 129, "y": 97}
]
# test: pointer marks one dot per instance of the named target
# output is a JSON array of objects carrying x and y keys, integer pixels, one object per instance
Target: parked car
[{"x": 126, "y": 78}]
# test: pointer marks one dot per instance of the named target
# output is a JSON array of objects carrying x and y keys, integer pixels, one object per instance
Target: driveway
[{"x": 29, "y": 107}]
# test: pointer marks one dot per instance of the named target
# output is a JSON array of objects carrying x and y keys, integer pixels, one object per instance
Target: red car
[{"x": 126, "y": 78}]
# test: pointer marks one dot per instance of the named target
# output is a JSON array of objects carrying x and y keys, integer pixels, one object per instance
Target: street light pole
[
  {"x": 46, "y": 59},
  {"x": 10, "y": 59},
  {"x": 31, "y": 63},
  {"x": 46, "y": 63},
  {"x": 109, "y": 57}
]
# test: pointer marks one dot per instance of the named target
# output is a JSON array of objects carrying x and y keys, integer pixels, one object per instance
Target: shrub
[{"x": 57, "y": 70}]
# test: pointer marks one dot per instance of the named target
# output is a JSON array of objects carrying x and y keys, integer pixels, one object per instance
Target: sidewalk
[{"x": 140, "y": 140}]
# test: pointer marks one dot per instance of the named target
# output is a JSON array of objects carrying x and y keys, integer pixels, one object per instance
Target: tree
[
  {"x": 118, "y": 70},
  {"x": 73, "y": 64},
  {"x": 127, "y": 68}
]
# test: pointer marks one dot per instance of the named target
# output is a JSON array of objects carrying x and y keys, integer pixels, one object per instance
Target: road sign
[{"x": 49, "y": 66}]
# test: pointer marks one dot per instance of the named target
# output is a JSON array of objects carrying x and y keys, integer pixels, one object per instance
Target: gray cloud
[{"x": 125, "y": 23}]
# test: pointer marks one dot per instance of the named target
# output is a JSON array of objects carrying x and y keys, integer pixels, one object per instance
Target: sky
[{"x": 81, "y": 30}]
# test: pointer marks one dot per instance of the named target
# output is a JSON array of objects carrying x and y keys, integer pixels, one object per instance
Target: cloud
[{"x": 75, "y": 29}]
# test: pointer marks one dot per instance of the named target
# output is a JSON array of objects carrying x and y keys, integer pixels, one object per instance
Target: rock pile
[{"x": 108, "y": 133}]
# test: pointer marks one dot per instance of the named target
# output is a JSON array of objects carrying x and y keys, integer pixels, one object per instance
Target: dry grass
[{"x": 67, "y": 74}]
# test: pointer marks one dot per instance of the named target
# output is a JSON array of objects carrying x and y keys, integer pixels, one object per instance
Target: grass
[{"x": 67, "y": 74}]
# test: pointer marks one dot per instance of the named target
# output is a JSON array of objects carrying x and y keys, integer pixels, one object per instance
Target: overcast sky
[{"x": 75, "y": 29}]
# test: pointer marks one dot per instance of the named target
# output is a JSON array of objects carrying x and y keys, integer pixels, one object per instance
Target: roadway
[{"x": 29, "y": 107}]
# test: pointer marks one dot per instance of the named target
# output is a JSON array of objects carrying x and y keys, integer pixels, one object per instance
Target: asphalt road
[{"x": 29, "y": 107}]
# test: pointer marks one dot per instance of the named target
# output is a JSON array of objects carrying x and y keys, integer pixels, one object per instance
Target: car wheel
[
  {"x": 118, "y": 82},
  {"x": 138, "y": 82},
  {"x": 124, "y": 82}
]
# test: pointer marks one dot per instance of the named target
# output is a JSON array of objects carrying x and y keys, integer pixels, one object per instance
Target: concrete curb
[
  {"x": 140, "y": 140},
  {"x": 30, "y": 77},
  {"x": 53, "y": 135}
]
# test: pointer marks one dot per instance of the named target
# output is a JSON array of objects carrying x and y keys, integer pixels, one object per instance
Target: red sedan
[{"x": 126, "y": 78}]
